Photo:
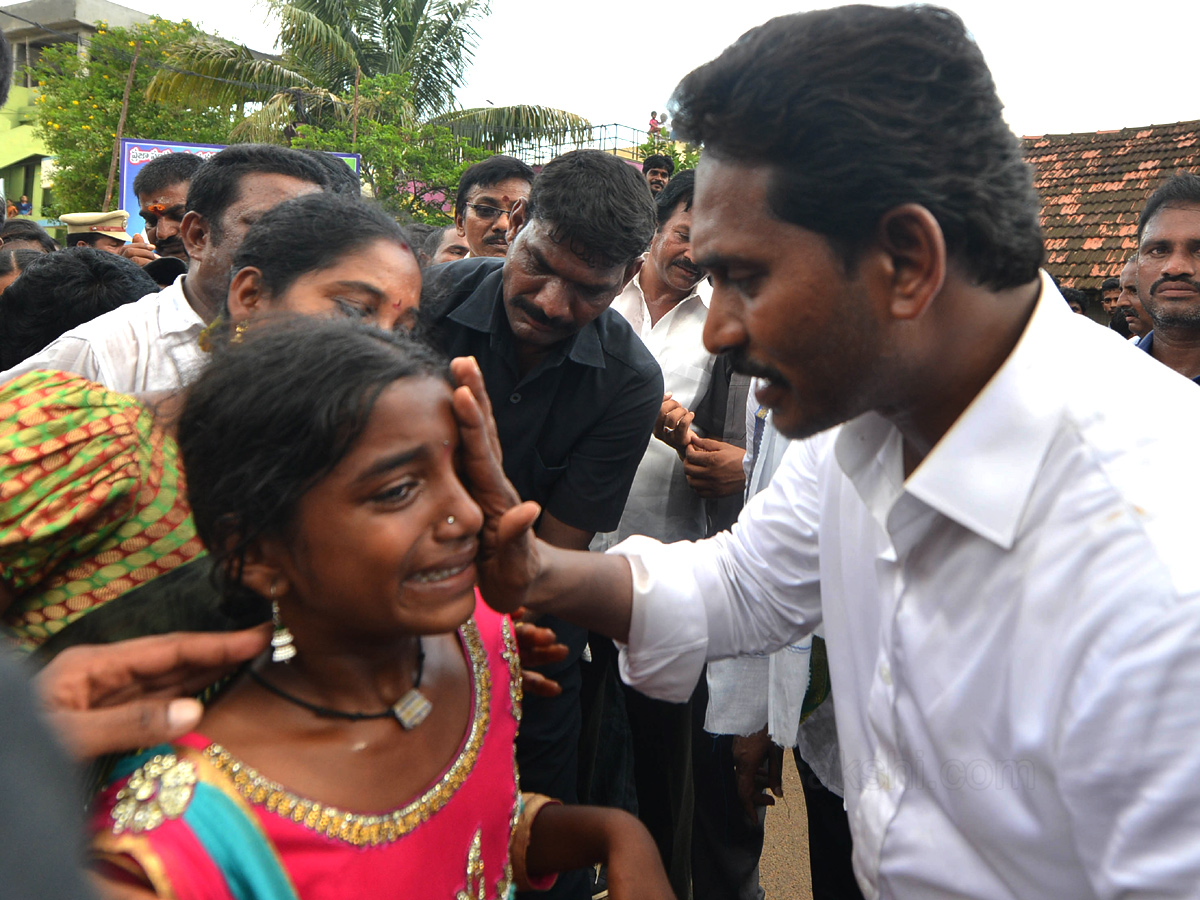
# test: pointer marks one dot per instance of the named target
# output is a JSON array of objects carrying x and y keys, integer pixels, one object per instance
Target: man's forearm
[{"x": 594, "y": 590}]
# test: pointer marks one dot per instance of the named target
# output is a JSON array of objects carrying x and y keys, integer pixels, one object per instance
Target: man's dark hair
[
  {"x": 164, "y": 171},
  {"x": 1182, "y": 189},
  {"x": 217, "y": 184},
  {"x": 680, "y": 189},
  {"x": 1074, "y": 295},
  {"x": 58, "y": 291},
  {"x": 1110, "y": 284},
  {"x": 252, "y": 455},
  {"x": 16, "y": 260},
  {"x": 417, "y": 234},
  {"x": 658, "y": 161},
  {"x": 342, "y": 178},
  {"x": 492, "y": 170},
  {"x": 27, "y": 231},
  {"x": 296, "y": 237},
  {"x": 597, "y": 204},
  {"x": 858, "y": 110}
]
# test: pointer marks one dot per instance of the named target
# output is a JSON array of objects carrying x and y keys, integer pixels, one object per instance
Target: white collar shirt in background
[
  {"x": 1013, "y": 630},
  {"x": 661, "y": 504},
  {"x": 151, "y": 344}
]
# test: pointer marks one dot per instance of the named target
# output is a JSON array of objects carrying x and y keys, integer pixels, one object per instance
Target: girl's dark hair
[
  {"x": 311, "y": 233},
  {"x": 271, "y": 417}
]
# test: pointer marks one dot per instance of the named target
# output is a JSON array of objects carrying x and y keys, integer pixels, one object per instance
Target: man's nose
[
  {"x": 501, "y": 223},
  {"x": 554, "y": 300},
  {"x": 1181, "y": 261},
  {"x": 723, "y": 327}
]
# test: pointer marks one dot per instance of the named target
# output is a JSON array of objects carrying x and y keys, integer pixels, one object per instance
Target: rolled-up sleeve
[{"x": 751, "y": 590}]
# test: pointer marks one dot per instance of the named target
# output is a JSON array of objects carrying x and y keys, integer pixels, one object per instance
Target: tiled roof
[{"x": 1093, "y": 187}]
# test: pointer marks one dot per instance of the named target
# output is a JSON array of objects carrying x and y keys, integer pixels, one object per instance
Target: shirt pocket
[{"x": 545, "y": 477}]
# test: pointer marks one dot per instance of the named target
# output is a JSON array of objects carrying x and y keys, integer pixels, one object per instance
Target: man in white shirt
[
  {"x": 667, "y": 303},
  {"x": 153, "y": 343},
  {"x": 1003, "y": 555}
]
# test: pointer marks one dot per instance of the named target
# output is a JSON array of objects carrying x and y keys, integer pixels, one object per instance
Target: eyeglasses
[{"x": 488, "y": 213}]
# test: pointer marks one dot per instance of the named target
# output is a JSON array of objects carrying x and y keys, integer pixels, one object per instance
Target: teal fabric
[{"x": 237, "y": 846}]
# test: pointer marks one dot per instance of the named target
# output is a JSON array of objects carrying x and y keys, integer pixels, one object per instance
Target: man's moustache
[
  {"x": 746, "y": 366},
  {"x": 1181, "y": 279}
]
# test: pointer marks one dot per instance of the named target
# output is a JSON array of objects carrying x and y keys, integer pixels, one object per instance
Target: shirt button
[
  {"x": 885, "y": 673},
  {"x": 515, "y": 398}
]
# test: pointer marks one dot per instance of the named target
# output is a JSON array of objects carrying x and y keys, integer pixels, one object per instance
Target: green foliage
[
  {"x": 413, "y": 168},
  {"x": 79, "y": 105},
  {"x": 685, "y": 155}
]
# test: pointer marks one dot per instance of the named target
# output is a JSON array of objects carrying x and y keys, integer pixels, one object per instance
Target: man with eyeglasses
[{"x": 486, "y": 194}]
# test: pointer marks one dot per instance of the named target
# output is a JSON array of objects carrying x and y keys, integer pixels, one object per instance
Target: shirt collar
[
  {"x": 982, "y": 472},
  {"x": 483, "y": 311},
  {"x": 176, "y": 315}
]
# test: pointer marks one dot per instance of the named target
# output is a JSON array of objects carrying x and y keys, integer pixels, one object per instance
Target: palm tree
[{"x": 329, "y": 46}]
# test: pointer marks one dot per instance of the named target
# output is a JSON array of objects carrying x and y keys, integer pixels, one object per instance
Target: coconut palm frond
[
  {"x": 495, "y": 126},
  {"x": 210, "y": 72}
]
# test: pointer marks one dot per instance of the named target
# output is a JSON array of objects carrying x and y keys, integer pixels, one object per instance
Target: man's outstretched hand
[
  {"x": 509, "y": 561},
  {"x": 114, "y": 697}
]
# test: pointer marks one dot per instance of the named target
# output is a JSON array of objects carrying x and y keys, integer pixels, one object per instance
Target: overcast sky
[{"x": 1060, "y": 66}]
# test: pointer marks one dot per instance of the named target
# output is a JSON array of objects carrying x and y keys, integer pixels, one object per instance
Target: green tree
[
  {"x": 330, "y": 46},
  {"x": 413, "y": 170},
  {"x": 79, "y": 104}
]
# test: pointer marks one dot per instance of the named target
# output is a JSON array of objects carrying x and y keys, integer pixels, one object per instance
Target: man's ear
[
  {"x": 914, "y": 251},
  {"x": 195, "y": 234},
  {"x": 247, "y": 295},
  {"x": 460, "y": 224},
  {"x": 516, "y": 220}
]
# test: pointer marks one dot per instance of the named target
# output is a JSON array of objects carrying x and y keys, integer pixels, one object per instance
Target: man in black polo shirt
[{"x": 574, "y": 391}]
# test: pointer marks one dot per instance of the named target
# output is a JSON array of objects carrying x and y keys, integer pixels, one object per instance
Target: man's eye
[{"x": 151, "y": 221}]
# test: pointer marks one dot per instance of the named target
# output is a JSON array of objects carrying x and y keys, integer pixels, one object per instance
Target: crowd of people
[{"x": 506, "y": 558}]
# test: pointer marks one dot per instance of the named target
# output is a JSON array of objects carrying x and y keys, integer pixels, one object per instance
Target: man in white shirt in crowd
[
  {"x": 666, "y": 304},
  {"x": 1002, "y": 554},
  {"x": 1168, "y": 261},
  {"x": 153, "y": 344}
]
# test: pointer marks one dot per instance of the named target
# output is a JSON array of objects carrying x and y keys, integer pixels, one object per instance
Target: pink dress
[{"x": 202, "y": 826}]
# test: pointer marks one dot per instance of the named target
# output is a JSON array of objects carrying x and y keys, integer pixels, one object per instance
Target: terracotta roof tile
[{"x": 1093, "y": 187}]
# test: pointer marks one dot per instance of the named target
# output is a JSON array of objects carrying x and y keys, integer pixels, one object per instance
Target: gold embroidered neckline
[{"x": 364, "y": 829}]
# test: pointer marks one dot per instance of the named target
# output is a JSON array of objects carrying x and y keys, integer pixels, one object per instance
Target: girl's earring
[
  {"x": 239, "y": 332},
  {"x": 282, "y": 646}
]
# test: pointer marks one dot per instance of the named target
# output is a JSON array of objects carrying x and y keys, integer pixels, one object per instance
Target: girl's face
[
  {"x": 379, "y": 284},
  {"x": 385, "y": 544}
]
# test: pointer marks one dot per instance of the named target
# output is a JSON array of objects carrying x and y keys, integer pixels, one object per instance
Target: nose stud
[{"x": 449, "y": 520}]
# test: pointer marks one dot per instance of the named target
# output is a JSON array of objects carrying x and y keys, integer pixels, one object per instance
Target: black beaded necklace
[{"x": 410, "y": 710}]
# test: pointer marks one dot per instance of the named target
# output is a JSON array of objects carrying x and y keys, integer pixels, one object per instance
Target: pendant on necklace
[{"x": 412, "y": 709}]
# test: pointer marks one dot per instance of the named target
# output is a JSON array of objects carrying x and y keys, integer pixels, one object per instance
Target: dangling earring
[
  {"x": 239, "y": 332},
  {"x": 282, "y": 648}
]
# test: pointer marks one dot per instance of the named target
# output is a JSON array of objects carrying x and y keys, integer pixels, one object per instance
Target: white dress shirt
[
  {"x": 1013, "y": 630},
  {"x": 148, "y": 345},
  {"x": 661, "y": 504}
]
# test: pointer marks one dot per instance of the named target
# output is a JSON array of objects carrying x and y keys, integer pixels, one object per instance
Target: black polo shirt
[{"x": 574, "y": 429}]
